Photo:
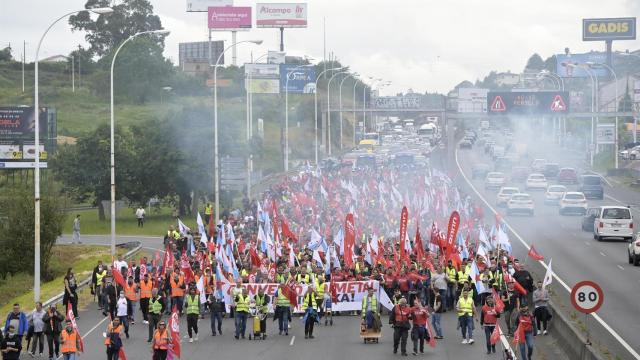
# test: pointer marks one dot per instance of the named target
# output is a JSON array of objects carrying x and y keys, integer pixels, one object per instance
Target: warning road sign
[
  {"x": 558, "y": 105},
  {"x": 498, "y": 105},
  {"x": 587, "y": 297}
]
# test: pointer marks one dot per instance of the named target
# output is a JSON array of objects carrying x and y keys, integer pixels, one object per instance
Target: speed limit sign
[{"x": 587, "y": 297}]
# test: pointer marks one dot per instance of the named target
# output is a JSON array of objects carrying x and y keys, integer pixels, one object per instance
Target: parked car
[
  {"x": 567, "y": 176},
  {"x": 591, "y": 186},
  {"x": 573, "y": 202}
]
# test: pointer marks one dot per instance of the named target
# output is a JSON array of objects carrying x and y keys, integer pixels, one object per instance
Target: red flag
[
  {"x": 290, "y": 292},
  {"x": 121, "y": 354},
  {"x": 168, "y": 260},
  {"x": 117, "y": 277},
  {"x": 418, "y": 246},
  {"x": 174, "y": 326},
  {"x": 212, "y": 225},
  {"x": 253, "y": 255},
  {"x": 432, "y": 338},
  {"x": 286, "y": 232},
  {"x": 404, "y": 217},
  {"x": 241, "y": 246},
  {"x": 452, "y": 229},
  {"x": 498, "y": 301},
  {"x": 349, "y": 240},
  {"x": 435, "y": 237},
  {"x": 495, "y": 335},
  {"x": 519, "y": 288},
  {"x": 518, "y": 336},
  {"x": 534, "y": 254},
  {"x": 71, "y": 317},
  {"x": 333, "y": 291}
]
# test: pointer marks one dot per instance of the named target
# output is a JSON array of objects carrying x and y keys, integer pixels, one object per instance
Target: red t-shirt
[
  {"x": 489, "y": 315},
  {"x": 420, "y": 316},
  {"x": 403, "y": 284}
]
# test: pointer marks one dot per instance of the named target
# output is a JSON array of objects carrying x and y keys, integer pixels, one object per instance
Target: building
[
  {"x": 55, "y": 59},
  {"x": 195, "y": 57}
]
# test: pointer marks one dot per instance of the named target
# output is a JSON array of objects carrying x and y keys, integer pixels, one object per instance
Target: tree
[
  {"x": 110, "y": 30},
  {"x": 17, "y": 229},
  {"x": 5, "y": 54},
  {"x": 535, "y": 63},
  {"x": 550, "y": 64}
]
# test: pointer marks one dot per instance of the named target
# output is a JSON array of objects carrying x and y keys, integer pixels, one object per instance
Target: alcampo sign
[{"x": 609, "y": 29}]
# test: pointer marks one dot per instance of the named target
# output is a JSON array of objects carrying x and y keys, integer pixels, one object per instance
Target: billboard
[
  {"x": 472, "y": 100},
  {"x": 605, "y": 134},
  {"x": 528, "y": 103},
  {"x": 564, "y": 70},
  {"x": 203, "y": 5},
  {"x": 609, "y": 29},
  {"x": 262, "y": 71},
  {"x": 262, "y": 78},
  {"x": 17, "y": 132},
  {"x": 198, "y": 52},
  {"x": 281, "y": 15},
  {"x": 301, "y": 79},
  {"x": 263, "y": 86},
  {"x": 397, "y": 102},
  {"x": 230, "y": 18}
]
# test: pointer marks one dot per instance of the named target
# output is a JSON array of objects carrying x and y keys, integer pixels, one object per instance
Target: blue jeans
[
  {"x": 69, "y": 356},
  {"x": 178, "y": 302},
  {"x": 435, "y": 321},
  {"x": 466, "y": 325},
  {"x": 216, "y": 316},
  {"x": 488, "y": 330},
  {"x": 283, "y": 319},
  {"x": 369, "y": 319},
  {"x": 526, "y": 348},
  {"x": 241, "y": 323}
]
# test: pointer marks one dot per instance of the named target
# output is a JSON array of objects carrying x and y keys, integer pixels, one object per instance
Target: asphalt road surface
[{"x": 576, "y": 255}]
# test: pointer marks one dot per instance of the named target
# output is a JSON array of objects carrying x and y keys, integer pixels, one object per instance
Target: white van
[{"x": 611, "y": 221}]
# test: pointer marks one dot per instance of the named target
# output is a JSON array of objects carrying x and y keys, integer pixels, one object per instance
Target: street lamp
[
  {"x": 329, "y": 110},
  {"x": 635, "y": 118},
  {"x": 286, "y": 116},
  {"x": 36, "y": 171},
  {"x": 355, "y": 118},
  {"x": 316, "y": 106},
  {"x": 216, "y": 175},
  {"x": 553, "y": 77},
  {"x": 112, "y": 137},
  {"x": 364, "y": 103},
  {"x": 615, "y": 78},
  {"x": 340, "y": 99},
  {"x": 594, "y": 96}
]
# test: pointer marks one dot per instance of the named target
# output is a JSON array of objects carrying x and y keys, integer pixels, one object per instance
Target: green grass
[
  {"x": 82, "y": 258},
  {"x": 156, "y": 222}
]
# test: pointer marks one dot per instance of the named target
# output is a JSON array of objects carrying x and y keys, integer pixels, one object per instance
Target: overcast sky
[{"x": 426, "y": 45}]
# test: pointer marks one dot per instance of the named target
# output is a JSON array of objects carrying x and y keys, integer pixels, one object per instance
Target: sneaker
[
  {"x": 145, "y": 322},
  {"x": 414, "y": 353},
  {"x": 539, "y": 332},
  {"x": 464, "y": 341},
  {"x": 31, "y": 354},
  {"x": 196, "y": 338},
  {"x": 395, "y": 351},
  {"x": 286, "y": 333},
  {"x": 311, "y": 337},
  {"x": 306, "y": 336},
  {"x": 236, "y": 336},
  {"x": 190, "y": 340},
  {"x": 545, "y": 332},
  {"x": 471, "y": 341}
]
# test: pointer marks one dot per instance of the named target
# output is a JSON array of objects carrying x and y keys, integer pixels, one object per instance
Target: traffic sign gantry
[{"x": 587, "y": 297}]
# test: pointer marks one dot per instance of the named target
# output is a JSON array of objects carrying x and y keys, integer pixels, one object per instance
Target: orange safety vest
[
  {"x": 176, "y": 289},
  {"x": 145, "y": 289},
  {"x": 130, "y": 292},
  {"x": 69, "y": 343},
  {"x": 210, "y": 284},
  {"x": 110, "y": 329},
  {"x": 161, "y": 340}
]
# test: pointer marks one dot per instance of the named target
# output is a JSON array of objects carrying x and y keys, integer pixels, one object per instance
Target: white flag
[
  {"x": 183, "y": 228},
  {"x": 548, "y": 276},
  {"x": 200, "y": 286}
]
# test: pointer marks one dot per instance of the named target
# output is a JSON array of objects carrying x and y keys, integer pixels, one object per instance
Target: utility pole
[
  {"x": 24, "y": 47},
  {"x": 79, "y": 69}
]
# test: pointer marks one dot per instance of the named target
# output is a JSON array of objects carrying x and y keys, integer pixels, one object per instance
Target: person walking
[
  {"x": 122, "y": 313},
  {"x": 370, "y": 312},
  {"x": 438, "y": 309},
  {"x": 146, "y": 287},
  {"x": 156, "y": 308},
  {"x": 70, "y": 299},
  {"x": 283, "y": 311},
  {"x": 262, "y": 306},
  {"x": 193, "y": 313},
  {"x": 242, "y": 310},
  {"x": 11, "y": 344},
  {"x": 76, "y": 230},
  {"x": 466, "y": 314},
  {"x": 99, "y": 273},
  {"x": 526, "y": 327},
  {"x": 420, "y": 316},
  {"x": 38, "y": 330},
  {"x": 161, "y": 341},
  {"x": 18, "y": 319},
  {"x": 488, "y": 320},
  {"x": 310, "y": 310},
  {"x": 140, "y": 216},
  {"x": 113, "y": 340},
  {"x": 69, "y": 342},
  {"x": 541, "y": 312},
  {"x": 399, "y": 319},
  {"x": 131, "y": 293},
  {"x": 52, "y": 328},
  {"x": 217, "y": 308}
]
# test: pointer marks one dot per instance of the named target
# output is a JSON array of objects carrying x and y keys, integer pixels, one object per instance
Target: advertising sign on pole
[
  {"x": 262, "y": 70},
  {"x": 262, "y": 78},
  {"x": 472, "y": 100},
  {"x": 17, "y": 134},
  {"x": 609, "y": 29},
  {"x": 528, "y": 103},
  {"x": 605, "y": 134},
  {"x": 301, "y": 80},
  {"x": 281, "y": 15},
  {"x": 203, "y": 5},
  {"x": 564, "y": 62},
  {"x": 230, "y": 18}
]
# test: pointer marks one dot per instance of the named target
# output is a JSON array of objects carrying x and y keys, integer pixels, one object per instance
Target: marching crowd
[{"x": 305, "y": 234}]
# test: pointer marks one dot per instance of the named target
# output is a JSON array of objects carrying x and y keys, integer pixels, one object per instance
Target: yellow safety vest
[
  {"x": 193, "y": 304},
  {"x": 155, "y": 306},
  {"x": 465, "y": 306},
  {"x": 208, "y": 210},
  {"x": 451, "y": 273},
  {"x": 242, "y": 303},
  {"x": 374, "y": 305},
  {"x": 305, "y": 304},
  {"x": 463, "y": 276},
  {"x": 320, "y": 289},
  {"x": 100, "y": 276},
  {"x": 282, "y": 299}
]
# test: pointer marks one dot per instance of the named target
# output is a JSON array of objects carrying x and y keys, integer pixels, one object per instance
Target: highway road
[{"x": 576, "y": 255}]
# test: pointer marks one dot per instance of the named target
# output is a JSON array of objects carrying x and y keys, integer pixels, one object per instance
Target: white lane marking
[
  {"x": 560, "y": 281},
  {"x": 293, "y": 338},
  {"x": 620, "y": 267},
  {"x": 603, "y": 254},
  {"x": 587, "y": 243}
]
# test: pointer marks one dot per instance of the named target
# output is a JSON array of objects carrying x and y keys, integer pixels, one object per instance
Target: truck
[{"x": 428, "y": 131}]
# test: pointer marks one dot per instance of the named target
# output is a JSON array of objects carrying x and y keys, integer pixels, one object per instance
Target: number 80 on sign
[{"x": 587, "y": 297}]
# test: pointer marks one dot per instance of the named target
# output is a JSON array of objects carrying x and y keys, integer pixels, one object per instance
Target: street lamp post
[
  {"x": 328, "y": 147},
  {"x": 364, "y": 104},
  {"x": 615, "y": 137},
  {"x": 355, "y": 118},
  {"x": 216, "y": 175},
  {"x": 635, "y": 118},
  {"x": 36, "y": 171},
  {"x": 286, "y": 117},
  {"x": 112, "y": 138},
  {"x": 594, "y": 89},
  {"x": 340, "y": 99},
  {"x": 315, "y": 109}
]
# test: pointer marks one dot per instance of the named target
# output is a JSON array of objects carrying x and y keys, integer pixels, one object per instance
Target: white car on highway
[
  {"x": 634, "y": 251},
  {"x": 536, "y": 182},
  {"x": 554, "y": 194},
  {"x": 538, "y": 165},
  {"x": 520, "y": 203},
  {"x": 573, "y": 202},
  {"x": 613, "y": 221},
  {"x": 504, "y": 194},
  {"x": 494, "y": 180}
]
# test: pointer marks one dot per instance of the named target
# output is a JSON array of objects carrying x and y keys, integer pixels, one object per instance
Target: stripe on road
[
  {"x": 603, "y": 254},
  {"x": 620, "y": 267},
  {"x": 293, "y": 338}
]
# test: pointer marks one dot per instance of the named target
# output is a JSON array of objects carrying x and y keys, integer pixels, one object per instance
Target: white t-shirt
[
  {"x": 140, "y": 213},
  {"x": 122, "y": 264},
  {"x": 122, "y": 307}
]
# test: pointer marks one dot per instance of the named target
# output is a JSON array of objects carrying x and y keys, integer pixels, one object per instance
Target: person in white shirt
[
  {"x": 122, "y": 313},
  {"x": 140, "y": 216},
  {"x": 38, "y": 330}
]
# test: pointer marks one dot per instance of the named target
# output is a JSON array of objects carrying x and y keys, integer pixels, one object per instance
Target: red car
[
  {"x": 567, "y": 176},
  {"x": 519, "y": 173}
]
